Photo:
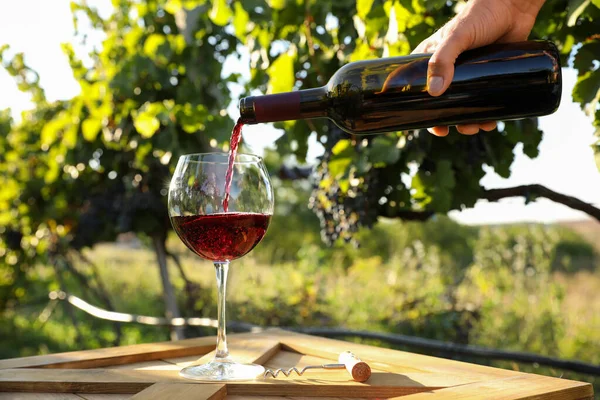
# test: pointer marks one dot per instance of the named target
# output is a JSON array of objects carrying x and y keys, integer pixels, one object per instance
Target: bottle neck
[{"x": 300, "y": 104}]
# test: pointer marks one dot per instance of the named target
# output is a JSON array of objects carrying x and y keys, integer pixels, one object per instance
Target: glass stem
[{"x": 221, "y": 269}]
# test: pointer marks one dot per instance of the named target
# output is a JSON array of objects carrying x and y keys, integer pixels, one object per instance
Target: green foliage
[{"x": 81, "y": 171}]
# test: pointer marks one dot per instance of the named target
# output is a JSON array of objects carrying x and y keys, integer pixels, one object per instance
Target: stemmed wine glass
[{"x": 220, "y": 230}]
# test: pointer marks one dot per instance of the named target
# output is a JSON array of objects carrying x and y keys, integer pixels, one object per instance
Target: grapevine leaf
[
  {"x": 220, "y": 13},
  {"x": 338, "y": 166},
  {"x": 377, "y": 22},
  {"x": 53, "y": 170},
  {"x": 281, "y": 73},
  {"x": 342, "y": 155},
  {"x": 575, "y": 9},
  {"x": 191, "y": 118},
  {"x": 176, "y": 43},
  {"x": 152, "y": 44},
  {"x": 433, "y": 4},
  {"x": 383, "y": 151},
  {"x": 445, "y": 174},
  {"x": 240, "y": 21},
  {"x": 146, "y": 121},
  {"x": 69, "y": 139},
  {"x": 421, "y": 182},
  {"x": 90, "y": 128},
  {"x": 587, "y": 88},
  {"x": 441, "y": 201},
  {"x": 586, "y": 55},
  {"x": 435, "y": 190},
  {"x": 363, "y": 52},
  {"x": 340, "y": 147},
  {"x": 532, "y": 137},
  {"x": 173, "y": 6},
  {"x": 146, "y": 124},
  {"x": 525, "y": 131},
  {"x": 277, "y": 4},
  {"x": 50, "y": 132},
  {"x": 363, "y": 7}
]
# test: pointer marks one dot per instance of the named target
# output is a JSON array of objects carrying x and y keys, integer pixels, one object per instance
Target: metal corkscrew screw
[{"x": 358, "y": 369}]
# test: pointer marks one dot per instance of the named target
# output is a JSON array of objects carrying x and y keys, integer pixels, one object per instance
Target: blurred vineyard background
[{"x": 83, "y": 188}]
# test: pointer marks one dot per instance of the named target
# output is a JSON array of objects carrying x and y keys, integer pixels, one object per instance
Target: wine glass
[{"x": 220, "y": 232}]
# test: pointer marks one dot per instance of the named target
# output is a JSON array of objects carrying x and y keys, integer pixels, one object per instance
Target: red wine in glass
[
  {"x": 236, "y": 137},
  {"x": 219, "y": 237},
  {"x": 224, "y": 236}
]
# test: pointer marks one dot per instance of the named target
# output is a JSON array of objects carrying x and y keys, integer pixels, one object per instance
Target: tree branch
[
  {"x": 70, "y": 310},
  {"x": 191, "y": 288},
  {"x": 536, "y": 190},
  {"x": 527, "y": 191},
  {"x": 171, "y": 306}
]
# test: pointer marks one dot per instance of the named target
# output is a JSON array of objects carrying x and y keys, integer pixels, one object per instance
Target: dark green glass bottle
[{"x": 495, "y": 82}]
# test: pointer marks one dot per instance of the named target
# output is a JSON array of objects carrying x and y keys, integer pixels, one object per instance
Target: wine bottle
[{"x": 494, "y": 82}]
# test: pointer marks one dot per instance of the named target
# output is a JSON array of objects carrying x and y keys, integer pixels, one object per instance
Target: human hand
[{"x": 479, "y": 23}]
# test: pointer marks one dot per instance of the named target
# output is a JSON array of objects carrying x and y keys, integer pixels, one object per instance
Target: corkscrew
[{"x": 358, "y": 369}]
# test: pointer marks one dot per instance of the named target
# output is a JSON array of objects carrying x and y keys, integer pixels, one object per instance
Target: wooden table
[{"x": 150, "y": 371}]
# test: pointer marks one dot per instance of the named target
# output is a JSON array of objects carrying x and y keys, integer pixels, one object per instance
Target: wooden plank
[
  {"x": 182, "y": 361},
  {"x": 183, "y": 391},
  {"x": 133, "y": 381},
  {"x": 383, "y": 385},
  {"x": 122, "y": 354},
  {"x": 152, "y": 365},
  {"x": 82, "y": 380},
  {"x": 524, "y": 387},
  {"x": 114, "y": 355},
  {"x": 320, "y": 388},
  {"x": 38, "y": 396},
  {"x": 90, "y": 396},
  {"x": 245, "y": 397}
]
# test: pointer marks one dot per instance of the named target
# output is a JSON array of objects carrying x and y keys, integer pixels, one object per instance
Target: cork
[{"x": 359, "y": 369}]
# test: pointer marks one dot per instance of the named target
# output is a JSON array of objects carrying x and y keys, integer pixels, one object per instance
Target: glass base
[{"x": 222, "y": 370}]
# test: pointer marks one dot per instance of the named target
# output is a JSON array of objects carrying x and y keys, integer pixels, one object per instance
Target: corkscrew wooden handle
[{"x": 358, "y": 369}]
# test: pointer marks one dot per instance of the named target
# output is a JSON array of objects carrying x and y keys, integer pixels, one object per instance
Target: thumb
[{"x": 440, "y": 71}]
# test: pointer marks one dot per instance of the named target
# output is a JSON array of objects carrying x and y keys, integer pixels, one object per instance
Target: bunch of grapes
[
  {"x": 99, "y": 217},
  {"x": 341, "y": 214}
]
